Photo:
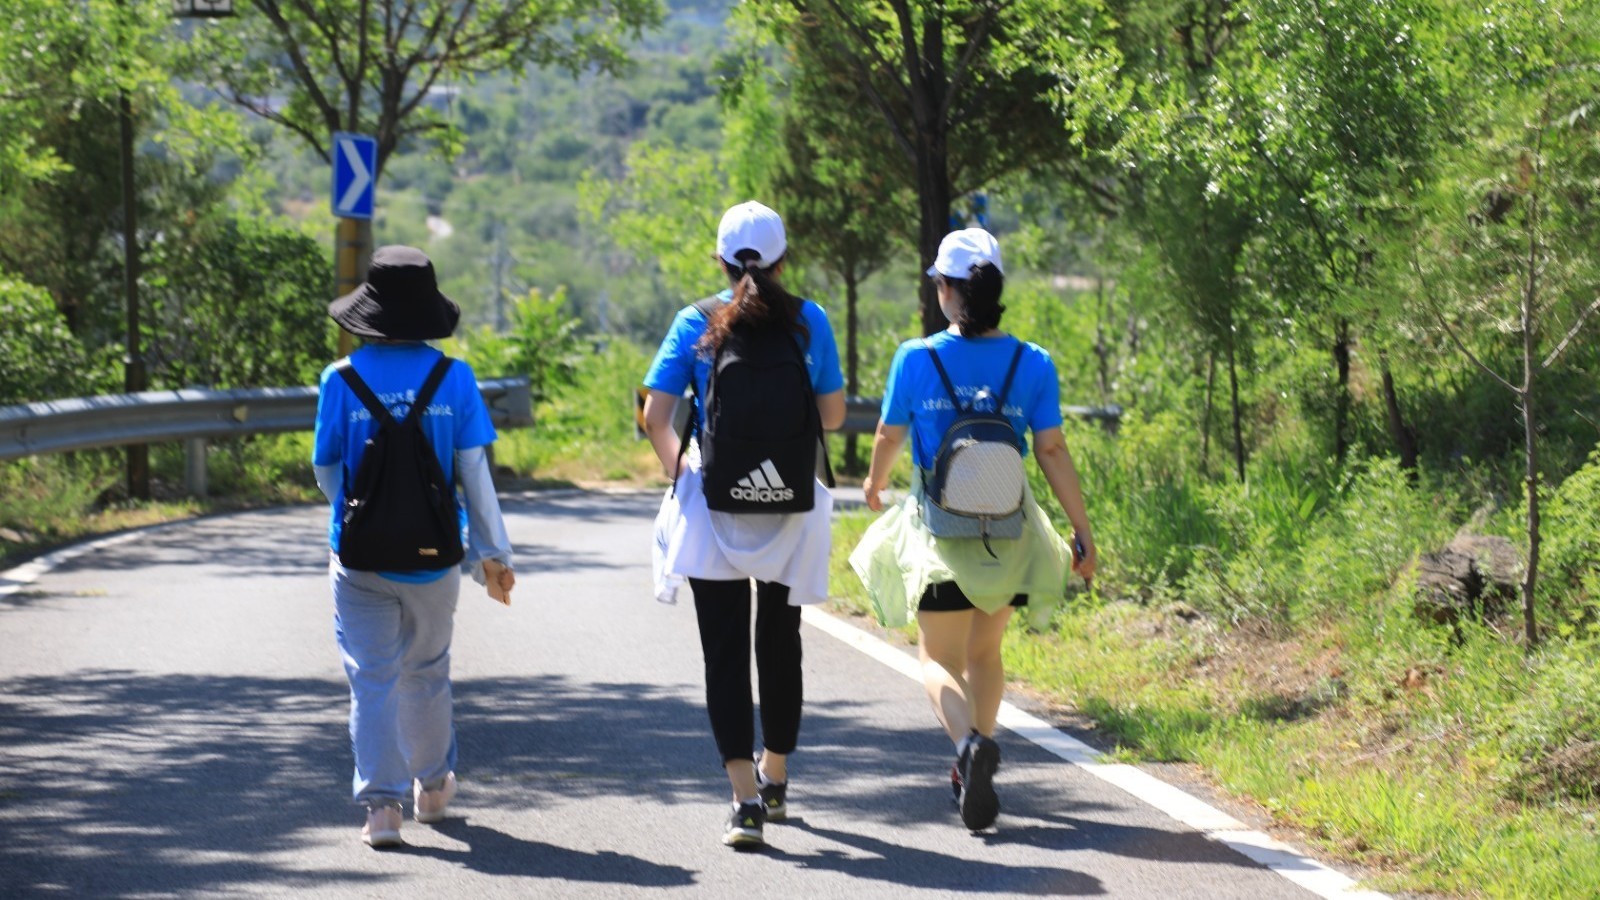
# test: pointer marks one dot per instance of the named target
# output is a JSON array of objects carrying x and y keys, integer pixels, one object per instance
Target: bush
[
  {"x": 219, "y": 319},
  {"x": 542, "y": 344},
  {"x": 1554, "y": 734},
  {"x": 1571, "y": 547},
  {"x": 39, "y": 357}
]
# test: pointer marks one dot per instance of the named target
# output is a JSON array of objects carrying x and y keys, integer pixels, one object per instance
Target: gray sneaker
[
  {"x": 744, "y": 826},
  {"x": 774, "y": 796},
  {"x": 980, "y": 757}
]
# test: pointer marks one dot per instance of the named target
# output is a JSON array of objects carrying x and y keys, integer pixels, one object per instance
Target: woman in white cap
[
  {"x": 394, "y": 618},
  {"x": 745, "y": 504},
  {"x": 961, "y": 590}
]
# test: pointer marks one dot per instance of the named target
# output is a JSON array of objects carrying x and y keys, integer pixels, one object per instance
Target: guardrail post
[{"x": 194, "y": 467}]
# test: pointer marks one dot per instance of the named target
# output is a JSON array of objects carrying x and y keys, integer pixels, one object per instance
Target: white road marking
[{"x": 1141, "y": 785}]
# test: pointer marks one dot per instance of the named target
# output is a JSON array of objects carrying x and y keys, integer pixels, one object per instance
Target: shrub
[{"x": 39, "y": 357}]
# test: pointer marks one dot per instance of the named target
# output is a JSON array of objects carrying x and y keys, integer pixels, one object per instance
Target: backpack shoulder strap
[
  {"x": 430, "y": 386},
  {"x": 709, "y": 305},
  {"x": 1011, "y": 373},
  {"x": 691, "y": 425},
  {"x": 347, "y": 371},
  {"x": 943, "y": 375}
]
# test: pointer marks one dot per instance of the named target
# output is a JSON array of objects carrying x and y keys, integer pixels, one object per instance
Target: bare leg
[
  {"x": 943, "y": 649},
  {"x": 742, "y": 777},
  {"x": 774, "y": 766},
  {"x": 986, "y": 673}
]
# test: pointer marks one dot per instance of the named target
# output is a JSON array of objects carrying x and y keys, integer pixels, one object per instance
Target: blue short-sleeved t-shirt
[
  {"x": 457, "y": 419},
  {"x": 916, "y": 397},
  {"x": 677, "y": 361}
]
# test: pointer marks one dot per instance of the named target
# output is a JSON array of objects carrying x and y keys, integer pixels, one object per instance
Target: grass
[
  {"x": 1377, "y": 749},
  {"x": 1264, "y": 631}
]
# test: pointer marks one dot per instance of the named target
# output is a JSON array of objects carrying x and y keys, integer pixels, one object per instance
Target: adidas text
[{"x": 762, "y": 495}]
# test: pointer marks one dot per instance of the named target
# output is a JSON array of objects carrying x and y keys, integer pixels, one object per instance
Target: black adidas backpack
[
  {"x": 399, "y": 511},
  {"x": 977, "y": 484},
  {"x": 761, "y": 429}
]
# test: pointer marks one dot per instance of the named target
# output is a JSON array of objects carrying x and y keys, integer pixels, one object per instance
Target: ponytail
[
  {"x": 980, "y": 299},
  {"x": 759, "y": 301}
]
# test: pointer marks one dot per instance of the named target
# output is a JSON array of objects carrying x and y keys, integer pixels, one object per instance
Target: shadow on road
[
  {"x": 118, "y": 783},
  {"x": 494, "y": 852}
]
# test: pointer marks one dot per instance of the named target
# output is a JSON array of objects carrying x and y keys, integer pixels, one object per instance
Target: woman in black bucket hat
[{"x": 394, "y": 627}]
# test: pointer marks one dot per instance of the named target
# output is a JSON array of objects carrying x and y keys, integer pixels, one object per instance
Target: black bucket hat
[{"x": 400, "y": 300}]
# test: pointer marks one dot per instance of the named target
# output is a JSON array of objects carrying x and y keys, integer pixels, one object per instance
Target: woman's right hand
[{"x": 872, "y": 493}]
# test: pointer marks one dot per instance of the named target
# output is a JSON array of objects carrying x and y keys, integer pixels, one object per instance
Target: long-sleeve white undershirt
[{"x": 486, "y": 528}]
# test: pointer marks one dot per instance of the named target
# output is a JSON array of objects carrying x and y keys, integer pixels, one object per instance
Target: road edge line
[
  {"x": 15, "y": 579},
  {"x": 1171, "y": 801}
]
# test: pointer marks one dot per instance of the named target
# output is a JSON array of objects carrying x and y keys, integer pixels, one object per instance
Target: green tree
[
  {"x": 1349, "y": 109},
  {"x": 842, "y": 211},
  {"x": 317, "y": 67},
  {"x": 959, "y": 87},
  {"x": 664, "y": 211},
  {"x": 369, "y": 66},
  {"x": 1175, "y": 125},
  {"x": 1506, "y": 249}
]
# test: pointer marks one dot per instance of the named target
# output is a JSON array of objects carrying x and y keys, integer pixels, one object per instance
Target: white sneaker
[
  {"x": 429, "y": 805},
  {"x": 383, "y": 826}
]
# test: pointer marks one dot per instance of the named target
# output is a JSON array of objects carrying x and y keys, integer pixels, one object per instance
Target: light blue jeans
[{"x": 395, "y": 640}]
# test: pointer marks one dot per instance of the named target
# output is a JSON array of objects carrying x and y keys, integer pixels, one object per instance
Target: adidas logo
[{"x": 762, "y": 485}]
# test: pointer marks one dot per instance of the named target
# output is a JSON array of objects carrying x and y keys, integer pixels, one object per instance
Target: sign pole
[{"x": 349, "y": 255}]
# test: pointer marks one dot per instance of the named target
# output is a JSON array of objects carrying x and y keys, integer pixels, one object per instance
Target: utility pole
[
  {"x": 134, "y": 377},
  {"x": 499, "y": 264}
]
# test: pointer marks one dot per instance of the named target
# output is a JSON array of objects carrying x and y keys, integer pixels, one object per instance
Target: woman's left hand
[{"x": 1084, "y": 556}]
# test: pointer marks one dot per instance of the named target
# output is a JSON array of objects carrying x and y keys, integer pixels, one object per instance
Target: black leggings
[{"x": 723, "y": 609}]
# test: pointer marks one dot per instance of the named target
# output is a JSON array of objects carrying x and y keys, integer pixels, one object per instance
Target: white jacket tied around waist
[{"x": 692, "y": 541}]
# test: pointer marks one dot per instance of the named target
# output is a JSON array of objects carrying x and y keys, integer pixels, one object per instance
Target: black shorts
[{"x": 945, "y": 596}]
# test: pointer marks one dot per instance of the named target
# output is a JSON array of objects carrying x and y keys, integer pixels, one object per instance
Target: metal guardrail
[
  {"x": 861, "y": 414},
  {"x": 195, "y": 416}
]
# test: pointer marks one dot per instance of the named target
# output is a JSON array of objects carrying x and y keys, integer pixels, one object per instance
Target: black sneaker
[
  {"x": 744, "y": 825},
  {"x": 955, "y": 781},
  {"x": 979, "y": 759},
  {"x": 774, "y": 796}
]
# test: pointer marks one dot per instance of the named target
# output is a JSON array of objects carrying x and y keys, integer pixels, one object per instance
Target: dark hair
[
  {"x": 758, "y": 301},
  {"x": 980, "y": 299}
]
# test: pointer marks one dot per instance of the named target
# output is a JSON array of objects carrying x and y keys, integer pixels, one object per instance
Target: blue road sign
[{"x": 355, "y": 168}]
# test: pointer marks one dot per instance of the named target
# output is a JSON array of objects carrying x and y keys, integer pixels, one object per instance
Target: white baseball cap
[
  {"x": 751, "y": 226},
  {"x": 961, "y": 251}
]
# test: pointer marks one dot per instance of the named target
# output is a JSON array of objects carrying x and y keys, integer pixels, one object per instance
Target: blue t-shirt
[
  {"x": 916, "y": 397},
  {"x": 677, "y": 361},
  {"x": 457, "y": 419}
]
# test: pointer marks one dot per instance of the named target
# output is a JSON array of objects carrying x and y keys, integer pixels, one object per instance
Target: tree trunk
[
  {"x": 1530, "y": 577},
  {"x": 1341, "y": 403},
  {"x": 1205, "y": 417},
  {"x": 852, "y": 385},
  {"x": 1102, "y": 349},
  {"x": 1233, "y": 387},
  {"x": 933, "y": 189},
  {"x": 1405, "y": 439},
  {"x": 929, "y": 84}
]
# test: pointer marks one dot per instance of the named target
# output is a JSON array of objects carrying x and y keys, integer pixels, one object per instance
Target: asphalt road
[{"x": 172, "y": 723}]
